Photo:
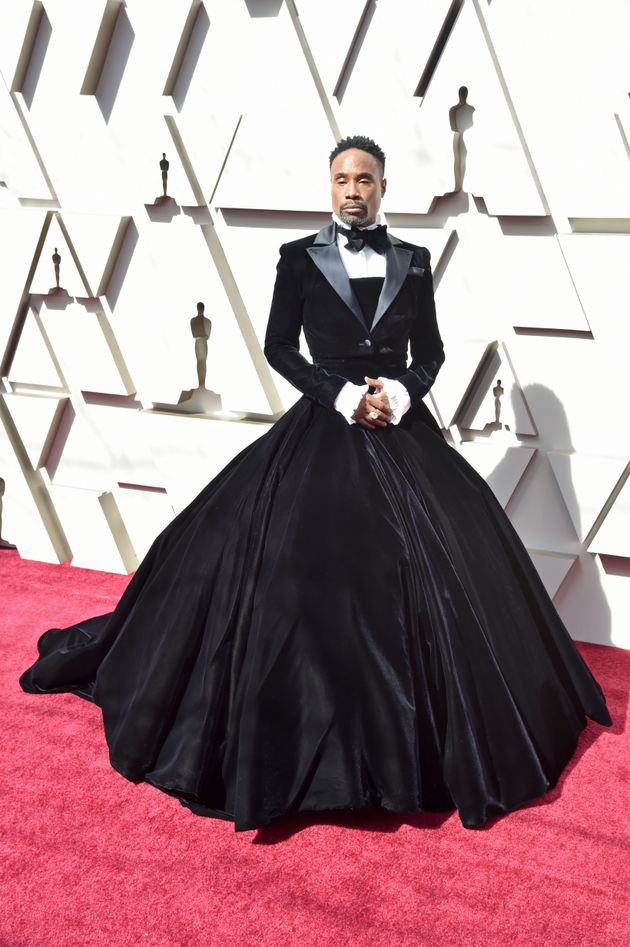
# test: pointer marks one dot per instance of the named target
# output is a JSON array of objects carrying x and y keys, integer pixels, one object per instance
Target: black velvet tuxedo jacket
[{"x": 313, "y": 290}]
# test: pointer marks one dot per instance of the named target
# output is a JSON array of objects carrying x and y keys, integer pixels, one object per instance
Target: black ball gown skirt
[{"x": 342, "y": 618}]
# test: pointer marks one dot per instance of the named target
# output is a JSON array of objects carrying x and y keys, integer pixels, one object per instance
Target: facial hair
[{"x": 355, "y": 221}]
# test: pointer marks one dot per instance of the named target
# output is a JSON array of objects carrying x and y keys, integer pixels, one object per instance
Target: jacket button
[{"x": 367, "y": 342}]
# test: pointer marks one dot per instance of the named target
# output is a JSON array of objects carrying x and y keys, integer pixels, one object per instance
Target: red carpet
[{"x": 87, "y": 858}]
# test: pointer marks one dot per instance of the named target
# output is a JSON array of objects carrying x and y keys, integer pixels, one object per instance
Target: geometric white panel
[
  {"x": 22, "y": 519},
  {"x": 14, "y": 27},
  {"x": 200, "y": 447},
  {"x": 418, "y": 136},
  {"x": 18, "y": 166},
  {"x": 481, "y": 408},
  {"x": 126, "y": 434},
  {"x": 501, "y": 464},
  {"x": 272, "y": 176},
  {"x": 578, "y": 390},
  {"x": 585, "y": 482},
  {"x": 93, "y": 236},
  {"x": 19, "y": 232},
  {"x": 466, "y": 305},
  {"x": 566, "y": 108},
  {"x": 462, "y": 363},
  {"x": 35, "y": 419},
  {"x": 32, "y": 363},
  {"x": 170, "y": 271},
  {"x": 613, "y": 536},
  {"x": 330, "y": 47},
  {"x": 592, "y": 601},
  {"x": 252, "y": 253},
  {"x": 44, "y": 278},
  {"x": 145, "y": 514},
  {"x": 538, "y": 513},
  {"x": 90, "y": 535},
  {"x": 598, "y": 263},
  {"x": 81, "y": 341},
  {"x": 552, "y": 569},
  {"x": 546, "y": 297},
  {"x": 80, "y": 456}
]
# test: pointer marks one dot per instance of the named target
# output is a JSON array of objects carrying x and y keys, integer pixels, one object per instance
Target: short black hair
[{"x": 363, "y": 144}]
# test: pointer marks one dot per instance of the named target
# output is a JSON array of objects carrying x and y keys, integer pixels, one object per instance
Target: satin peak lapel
[
  {"x": 397, "y": 261},
  {"x": 325, "y": 256}
]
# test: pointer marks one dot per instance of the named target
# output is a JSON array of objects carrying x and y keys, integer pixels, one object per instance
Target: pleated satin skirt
[{"x": 342, "y": 618}]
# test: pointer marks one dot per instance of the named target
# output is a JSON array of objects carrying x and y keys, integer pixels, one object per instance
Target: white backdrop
[{"x": 246, "y": 98}]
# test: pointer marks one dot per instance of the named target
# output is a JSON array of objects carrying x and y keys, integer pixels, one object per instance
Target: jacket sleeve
[
  {"x": 427, "y": 349},
  {"x": 282, "y": 340}
]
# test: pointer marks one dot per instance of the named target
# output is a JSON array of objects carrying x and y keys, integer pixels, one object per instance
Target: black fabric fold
[{"x": 342, "y": 618}]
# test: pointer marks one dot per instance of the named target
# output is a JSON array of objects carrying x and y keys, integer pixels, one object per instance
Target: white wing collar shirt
[{"x": 367, "y": 262}]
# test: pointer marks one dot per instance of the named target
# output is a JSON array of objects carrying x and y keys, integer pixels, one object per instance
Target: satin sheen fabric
[{"x": 342, "y": 618}]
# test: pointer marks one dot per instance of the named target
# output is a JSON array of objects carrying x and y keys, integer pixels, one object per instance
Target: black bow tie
[{"x": 357, "y": 238}]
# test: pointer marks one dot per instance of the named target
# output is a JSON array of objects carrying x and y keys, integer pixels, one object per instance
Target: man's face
[{"x": 357, "y": 187}]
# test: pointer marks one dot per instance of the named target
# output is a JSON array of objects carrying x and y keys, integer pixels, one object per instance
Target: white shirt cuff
[
  {"x": 347, "y": 401},
  {"x": 398, "y": 396}
]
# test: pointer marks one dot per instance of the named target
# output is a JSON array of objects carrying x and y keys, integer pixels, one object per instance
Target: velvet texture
[{"x": 342, "y": 618}]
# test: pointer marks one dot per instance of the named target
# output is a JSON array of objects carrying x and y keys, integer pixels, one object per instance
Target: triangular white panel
[
  {"x": 208, "y": 145},
  {"x": 499, "y": 463},
  {"x": 20, "y": 231},
  {"x": 482, "y": 407},
  {"x": 207, "y": 142},
  {"x": 538, "y": 513},
  {"x": 70, "y": 279},
  {"x": 35, "y": 418},
  {"x": 532, "y": 285},
  {"x": 577, "y": 390},
  {"x": 613, "y": 536},
  {"x": 19, "y": 168},
  {"x": 263, "y": 169},
  {"x": 466, "y": 305},
  {"x": 15, "y": 21},
  {"x": 586, "y": 483},
  {"x": 125, "y": 433},
  {"x": 152, "y": 320},
  {"x": 80, "y": 455},
  {"x": 25, "y": 521},
  {"x": 592, "y": 601},
  {"x": 332, "y": 49},
  {"x": 93, "y": 237},
  {"x": 96, "y": 543},
  {"x": 181, "y": 442},
  {"x": 32, "y": 363},
  {"x": 598, "y": 264},
  {"x": 418, "y": 138},
  {"x": 252, "y": 253},
  {"x": 565, "y": 67},
  {"x": 145, "y": 514},
  {"x": 82, "y": 341},
  {"x": 463, "y": 360},
  {"x": 497, "y": 167},
  {"x": 552, "y": 569}
]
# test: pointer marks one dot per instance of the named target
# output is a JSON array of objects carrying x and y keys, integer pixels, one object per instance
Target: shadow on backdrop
[{"x": 550, "y": 415}]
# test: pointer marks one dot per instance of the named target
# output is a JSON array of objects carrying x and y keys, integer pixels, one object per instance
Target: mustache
[{"x": 360, "y": 204}]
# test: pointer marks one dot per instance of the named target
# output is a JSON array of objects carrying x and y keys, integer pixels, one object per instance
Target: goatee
[{"x": 355, "y": 221}]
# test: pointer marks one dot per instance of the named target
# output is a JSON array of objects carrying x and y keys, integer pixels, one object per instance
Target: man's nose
[{"x": 351, "y": 189}]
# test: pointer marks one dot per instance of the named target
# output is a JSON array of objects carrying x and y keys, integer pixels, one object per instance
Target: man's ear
[{"x": 383, "y": 186}]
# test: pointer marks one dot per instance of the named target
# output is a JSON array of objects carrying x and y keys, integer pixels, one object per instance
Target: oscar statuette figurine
[{"x": 200, "y": 400}]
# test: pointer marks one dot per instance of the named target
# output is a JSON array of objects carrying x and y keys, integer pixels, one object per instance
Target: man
[{"x": 314, "y": 289}]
